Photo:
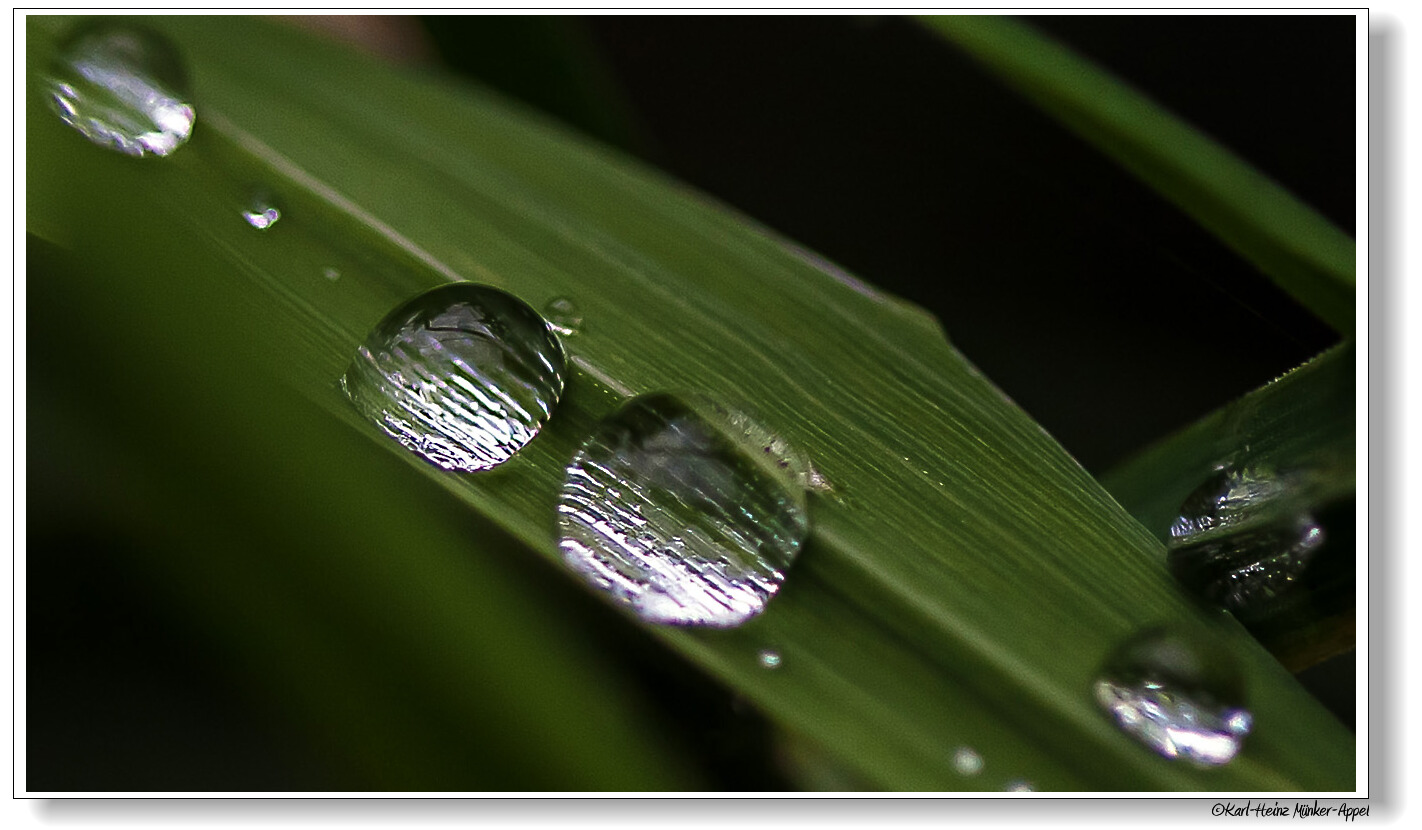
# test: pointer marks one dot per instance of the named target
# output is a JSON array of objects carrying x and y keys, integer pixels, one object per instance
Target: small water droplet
[
  {"x": 1019, "y": 787},
  {"x": 464, "y": 376},
  {"x": 564, "y": 316},
  {"x": 769, "y": 658},
  {"x": 1238, "y": 543},
  {"x": 122, "y": 87},
  {"x": 966, "y": 761},
  {"x": 1180, "y": 696},
  {"x": 663, "y": 467},
  {"x": 331, "y": 274},
  {"x": 262, "y": 216}
]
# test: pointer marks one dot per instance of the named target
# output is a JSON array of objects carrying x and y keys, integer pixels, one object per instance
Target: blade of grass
[
  {"x": 1302, "y": 252},
  {"x": 963, "y": 581},
  {"x": 1304, "y": 419},
  {"x": 1302, "y": 427}
]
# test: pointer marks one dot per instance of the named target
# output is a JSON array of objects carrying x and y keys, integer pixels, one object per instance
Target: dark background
[{"x": 1104, "y": 312}]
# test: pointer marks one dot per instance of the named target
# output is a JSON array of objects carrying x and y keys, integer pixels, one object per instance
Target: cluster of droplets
[{"x": 682, "y": 510}]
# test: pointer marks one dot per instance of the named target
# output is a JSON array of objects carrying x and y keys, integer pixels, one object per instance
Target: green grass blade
[
  {"x": 1301, "y": 424},
  {"x": 1304, "y": 418},
  {"x": 963, "y": 580},
  {"x": 1301, "y": 251}
]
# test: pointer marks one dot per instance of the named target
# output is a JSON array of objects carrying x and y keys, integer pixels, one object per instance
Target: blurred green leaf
[{"x": 963, "y": 581}]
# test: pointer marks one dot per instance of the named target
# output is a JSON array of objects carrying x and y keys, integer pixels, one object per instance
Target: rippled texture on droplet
[
  {"x": 122, "y": 87},
  {"x": 670, "y": 511},
  {"x": 464, "y": 376},
  {"x": 1181, "y": 697},
  {"x": 564, "y": 316}
]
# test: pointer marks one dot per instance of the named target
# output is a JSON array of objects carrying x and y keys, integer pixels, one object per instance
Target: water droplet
[
  {"x": 330, "y": 273},
  {"x": 1180, "y": 696},
  {"x": 1239, "y": 544},
  {"x": 122, "y": 87},
  {"x": 966, "y": 761},
  {"x": 769, "y": 658},
  {"x": 1226, "y": 499},
  {"x": 262, "y": 216},
  {"x": 663, "y": 467},
  {"x": 1019, "y": 787},
  {"x": 464, "y": 376},
  {"x": 564, "y": 316}
]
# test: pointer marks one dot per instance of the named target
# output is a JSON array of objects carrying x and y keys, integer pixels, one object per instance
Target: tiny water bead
[
  {"x": 464, "y": 376},
  {"x": 564, "y": 316},
  {"x": 967, "y": 761},
  {"x": 769, "y": 658},
  {"x": 261, "y": 216},
  {"x": 122, "y": 87},
  {"x": 1178, "y": 695},
  {"x": 671, "y": 512}
]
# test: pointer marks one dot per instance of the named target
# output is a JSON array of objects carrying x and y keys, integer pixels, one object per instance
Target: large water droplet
[
  {"x": 671, "y": 510},
  {"x": 1179, "y": 696},
  {"x": 122, "y": 87},
  {"x": 464, "y": 376}
]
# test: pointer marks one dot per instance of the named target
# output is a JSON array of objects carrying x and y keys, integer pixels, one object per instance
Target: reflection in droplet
[
  {"x": 261, "y": 216},
  {"x": 669, "y": 510},
  {"x": 1226, "y": 499},
  {"x": 464, "y": 376},
  {"x": 1249, "y": 571},
  {"x": 966, "y": 761},
  {"x": 122, "y": 87},
  {"x": 564, "y": 316},
  {"x": 769, "y": 658},
  {"x": 1179, "y": 696},
  {"x": 1238, "y": 543}
]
